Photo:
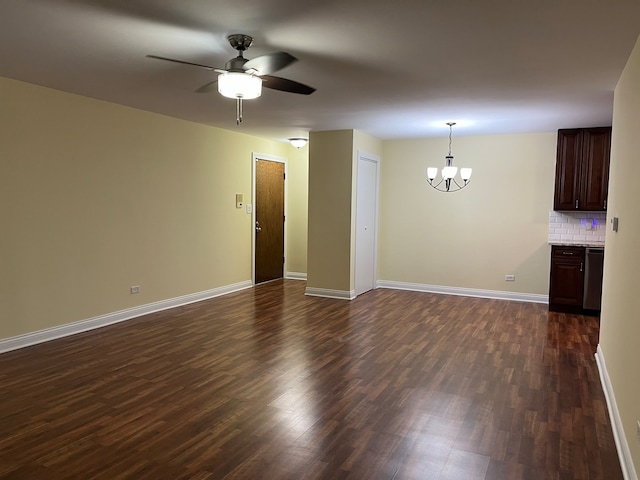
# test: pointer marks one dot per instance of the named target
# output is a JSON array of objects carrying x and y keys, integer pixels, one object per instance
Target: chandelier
[{"x": 449, "y": 172}]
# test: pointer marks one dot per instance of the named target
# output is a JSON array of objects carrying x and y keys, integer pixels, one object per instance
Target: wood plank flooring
[{"x": 270, "y": 384}]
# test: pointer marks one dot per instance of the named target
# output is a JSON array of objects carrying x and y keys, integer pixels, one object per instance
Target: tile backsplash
[{"x": 581, "y": 228}]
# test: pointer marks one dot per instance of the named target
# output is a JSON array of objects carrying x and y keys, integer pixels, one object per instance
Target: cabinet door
[
  {"x": 566, "y": 283},
  {"x": 567, "y": 276},
  {"x": 568, "y": 162},
  {"x": 595, "y": 168}
]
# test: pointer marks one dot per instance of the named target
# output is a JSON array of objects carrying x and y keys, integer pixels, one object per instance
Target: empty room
[{"x": 319, "y": 240}]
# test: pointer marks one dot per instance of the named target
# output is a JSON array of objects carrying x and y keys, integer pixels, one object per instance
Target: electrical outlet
[
  {"x": 509, "y": 278},
  {"x": 135, "y": 289}
]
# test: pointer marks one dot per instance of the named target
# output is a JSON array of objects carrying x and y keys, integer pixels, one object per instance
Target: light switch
[
  {"x": 239, "y": 200},
  {"x": 249, "y": 208},
  {"x": 614, "y": 224}
]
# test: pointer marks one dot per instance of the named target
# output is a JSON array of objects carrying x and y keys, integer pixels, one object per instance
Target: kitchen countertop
[{"x": 578, "y": 244}]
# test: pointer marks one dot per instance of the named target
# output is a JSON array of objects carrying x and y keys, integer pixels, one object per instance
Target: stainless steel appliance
[{"x": 593, "y": 278}]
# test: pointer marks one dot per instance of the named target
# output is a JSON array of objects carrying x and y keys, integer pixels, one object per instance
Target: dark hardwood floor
[{"x": 270, "y": 384}]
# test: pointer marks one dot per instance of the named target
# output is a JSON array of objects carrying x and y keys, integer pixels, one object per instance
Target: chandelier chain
[{"x": 451, "y": 124}]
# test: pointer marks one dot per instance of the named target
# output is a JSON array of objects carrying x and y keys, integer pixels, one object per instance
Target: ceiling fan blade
[
  {"x": 285, "y": 85},
  {"x": 181, "y": 61},
  {"x": 208, "y": 87},
  {"x": 272, "y": 62}
]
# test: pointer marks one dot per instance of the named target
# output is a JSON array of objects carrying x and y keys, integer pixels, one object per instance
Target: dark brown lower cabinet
[{"x": 566, "y": 283}]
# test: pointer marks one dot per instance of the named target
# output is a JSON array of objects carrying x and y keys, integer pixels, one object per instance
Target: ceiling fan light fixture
[
  {"x": 298, "y": 142},
  {"x": 239, "y": 85}
]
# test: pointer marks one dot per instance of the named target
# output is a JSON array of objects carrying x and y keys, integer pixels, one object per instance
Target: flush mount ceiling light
[
  {"x": 298, "y": 142},
  {"x": 449, "y": 172}
]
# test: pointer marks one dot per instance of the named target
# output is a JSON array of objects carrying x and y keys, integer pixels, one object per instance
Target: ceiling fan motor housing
[{"x": 236, "y": 64}]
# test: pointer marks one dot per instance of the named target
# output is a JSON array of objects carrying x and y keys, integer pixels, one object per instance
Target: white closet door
[{"x": 366, "y": 223}]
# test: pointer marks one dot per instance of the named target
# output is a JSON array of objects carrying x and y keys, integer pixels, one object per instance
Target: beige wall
[
  {"x": 620, "y": 321},
  {"x": 363, "y": 142},
  {"x": 97, "y": 197},
  {"x": 329, "y": 232},
  {"x": 333, "y": 170},
  {"x": 297, "y": 205},
  {"x": 498, "y": 225}
]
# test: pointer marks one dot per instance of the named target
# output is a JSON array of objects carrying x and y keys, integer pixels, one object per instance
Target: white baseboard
[
  {"x": 295, "y": 276},
  {"x": 32, "y": 338},
  {"x": 624, "y": 454},
  {"x": 324, "y": 292},
  {"x": 466, "y": 292}
]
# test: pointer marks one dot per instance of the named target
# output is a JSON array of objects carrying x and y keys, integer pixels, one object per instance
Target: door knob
[{"x": 258, "y": 227}]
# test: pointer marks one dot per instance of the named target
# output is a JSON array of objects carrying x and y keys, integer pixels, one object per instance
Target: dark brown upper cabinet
[{"x": 582, "y": 169}]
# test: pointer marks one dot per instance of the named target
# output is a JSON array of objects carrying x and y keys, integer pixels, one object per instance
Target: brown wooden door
[
  {"x": 568, "y": 163},
  {"x": 595, "y": 168},
  {"x": 269, "y": 228}
]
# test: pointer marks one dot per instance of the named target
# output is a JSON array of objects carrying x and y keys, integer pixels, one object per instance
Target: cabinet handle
[
  {"x": 576, "y": 204},
  {"x": 568, "y": 253},
  {"x": 581, "y": 265},
  {"x": 605, "y": 204}
]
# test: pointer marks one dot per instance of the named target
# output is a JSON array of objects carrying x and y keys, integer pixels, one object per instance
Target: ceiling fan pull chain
[{"x": 238, "y": 111}]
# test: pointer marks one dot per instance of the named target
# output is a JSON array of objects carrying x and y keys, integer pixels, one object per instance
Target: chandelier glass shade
[{"x": 448, "y": 181}]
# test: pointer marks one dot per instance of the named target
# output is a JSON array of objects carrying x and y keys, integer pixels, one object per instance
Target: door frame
[
  {"x": 364, "y": 156},
  {"x": 272, "y": 158}
]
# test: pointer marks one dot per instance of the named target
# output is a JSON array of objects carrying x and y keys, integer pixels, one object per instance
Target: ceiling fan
[{"x": 243, "y": 79}]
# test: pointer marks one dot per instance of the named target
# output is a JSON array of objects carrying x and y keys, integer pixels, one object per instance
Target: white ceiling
[{"x": 394, "y": 69}]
